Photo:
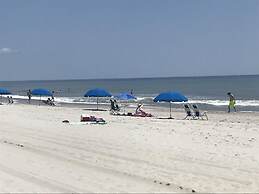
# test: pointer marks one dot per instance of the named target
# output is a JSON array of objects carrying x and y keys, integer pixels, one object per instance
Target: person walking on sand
[
  {"x": 232, "y": 102},
  {"x": 29, "y": 96}
]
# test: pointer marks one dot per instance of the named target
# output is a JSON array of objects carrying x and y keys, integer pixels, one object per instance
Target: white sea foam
[
  {"x": 225, "y": 102},
  {"x": 68, "y": 100},
  {"x": 251, "y": 103},
  {"x": 79, "y": 100},
  {"x": 143, "y": 98},
  {"x": 26, "y": 97}
]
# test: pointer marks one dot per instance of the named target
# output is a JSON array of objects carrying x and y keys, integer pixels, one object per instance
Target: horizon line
[{"x": 128, "y": 78}]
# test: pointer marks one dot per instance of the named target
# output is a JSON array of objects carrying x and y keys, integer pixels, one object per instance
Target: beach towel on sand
[{"x": 86, "y": 119}]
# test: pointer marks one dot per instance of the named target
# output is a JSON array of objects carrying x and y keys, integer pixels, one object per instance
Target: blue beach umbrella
[
  {"x": 97, "y": 92},
  {"x": 4, "y": 91},
  {"x": 41, "y": 92},
  {"x": 125, "y": 96},
  {"x": 170, "y": 97}
]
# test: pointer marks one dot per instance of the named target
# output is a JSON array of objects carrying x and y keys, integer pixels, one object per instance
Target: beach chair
[
  {"x": 49, "y": 102},
  {"x": 189, "y": 113},
  {"x": 198, "y": 114},
  {"x": 115, "y": 109}
]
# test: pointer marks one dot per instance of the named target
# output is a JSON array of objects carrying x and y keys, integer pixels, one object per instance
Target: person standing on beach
[
  {"x": 8, "y": 98},
  {"x": 11, "y": 99},
  {"x": 29, "y": 96},
  {"x": 232, "y": 102}
]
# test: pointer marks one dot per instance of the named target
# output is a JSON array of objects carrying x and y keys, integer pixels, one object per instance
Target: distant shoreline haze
[{"x": 130, "y": 78}]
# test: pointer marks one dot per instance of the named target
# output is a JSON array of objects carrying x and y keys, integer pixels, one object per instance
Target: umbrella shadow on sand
[{"x": 94, "y": 109}]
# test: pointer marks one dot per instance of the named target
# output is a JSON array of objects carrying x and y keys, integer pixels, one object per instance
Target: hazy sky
[{"x": 82, "y": 39}]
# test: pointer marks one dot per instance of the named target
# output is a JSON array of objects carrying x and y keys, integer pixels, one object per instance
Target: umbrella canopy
[
  {"x": 170, "y": 97},
  {"x": 4, "y": 91},
  {"x": 41, "y": 92},
  {"x": 97, "y": 92},
  {"x": 125, "y": 96}
]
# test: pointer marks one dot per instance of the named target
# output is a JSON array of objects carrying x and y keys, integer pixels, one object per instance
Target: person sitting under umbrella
[
  {"x": 140, "y": 112},
  {"x": 114, "y": 106},
  {"x": 10, "y": 99},
  {"x": 49, "y": 102}
]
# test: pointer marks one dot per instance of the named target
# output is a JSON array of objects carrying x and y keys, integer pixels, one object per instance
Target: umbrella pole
[
  {"x": 97, "y": 103},
  {"x": 170, "y": 110}
]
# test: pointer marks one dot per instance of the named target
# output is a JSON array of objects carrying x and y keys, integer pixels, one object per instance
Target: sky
[{"x": 88, "y": 39}]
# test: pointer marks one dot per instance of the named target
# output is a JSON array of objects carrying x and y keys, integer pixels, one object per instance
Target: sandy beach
[{"x": 39, "y": 153}]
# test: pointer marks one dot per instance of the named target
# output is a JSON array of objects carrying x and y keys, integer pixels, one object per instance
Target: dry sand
[{"x": 39, "y": 153}]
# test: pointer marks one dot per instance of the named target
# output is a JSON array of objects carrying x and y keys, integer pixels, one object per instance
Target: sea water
[{"x": 208, "y": 92}]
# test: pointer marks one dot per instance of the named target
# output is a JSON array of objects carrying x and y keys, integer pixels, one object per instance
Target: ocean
[{"x": 208, "y": 92}]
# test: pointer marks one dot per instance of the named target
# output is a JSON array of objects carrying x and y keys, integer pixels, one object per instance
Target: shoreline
[{"x": 92, "y": 104}]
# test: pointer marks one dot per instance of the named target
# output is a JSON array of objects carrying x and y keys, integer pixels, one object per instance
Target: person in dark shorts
[
  {"x": 29, "y": 96},
  {"x": 52, "y": 97}
]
